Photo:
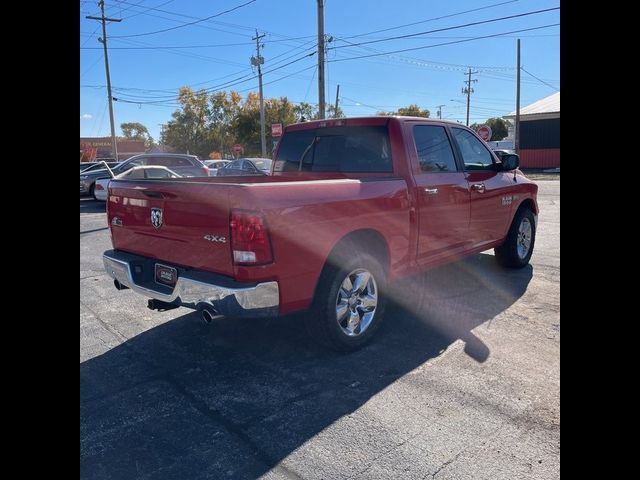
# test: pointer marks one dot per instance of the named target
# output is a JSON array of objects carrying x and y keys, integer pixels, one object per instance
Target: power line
[
  {"x": 167, "y": 47},
  {"x": 243, "y": 27},
  {"x": 188, "y": 23},
  {"x": 445, "y": 43},
  {"x": 184, "y": 54},
  {"x": 432, "y": 19},
  {"x": 540, "y": 80},
  {"x": 91, "y": 66},
  {"x": 144, "y": 11},
  {"x": 482, "y": 22},
  {"x": 165, "y": 103},
  {"x": 90, "y": 37},
  {"x": 431, "y": 63},
  {"x": 228, "y": 84}
]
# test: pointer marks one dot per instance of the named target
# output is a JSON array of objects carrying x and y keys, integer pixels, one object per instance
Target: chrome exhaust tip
[{"x": 207, "y": 312}]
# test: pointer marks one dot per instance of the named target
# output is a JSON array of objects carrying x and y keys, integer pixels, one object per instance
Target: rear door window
[{"x": 435, "y": 154}]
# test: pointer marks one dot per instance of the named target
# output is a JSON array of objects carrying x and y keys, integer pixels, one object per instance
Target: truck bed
[{"x": 306, "y": 217}]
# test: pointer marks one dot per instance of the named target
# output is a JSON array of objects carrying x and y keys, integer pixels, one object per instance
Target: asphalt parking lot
[{"x": 462, "y": 382}]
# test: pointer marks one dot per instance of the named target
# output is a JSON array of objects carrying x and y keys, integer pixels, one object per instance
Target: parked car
[
  {"x": 352, "y": 205},
  {"x": 246, "y": 166},
  {"x": 185, "y": 165},
  {"x": 214, "y": 165},
  {"x": 135, "y": 173},
  {"x": 90, "y": 166}
]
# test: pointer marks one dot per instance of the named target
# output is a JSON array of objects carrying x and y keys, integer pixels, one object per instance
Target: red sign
[
  {"x": 237, "y": 148},
  {"x": 276, "y": 129},
  {"x": 484, "y": 131}
]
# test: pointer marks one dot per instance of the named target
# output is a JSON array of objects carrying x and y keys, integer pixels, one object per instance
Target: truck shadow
[{"x": 233, "y": 399}]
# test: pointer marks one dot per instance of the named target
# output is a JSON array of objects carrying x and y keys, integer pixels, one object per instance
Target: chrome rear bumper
[{"x": 194, "y": 288}]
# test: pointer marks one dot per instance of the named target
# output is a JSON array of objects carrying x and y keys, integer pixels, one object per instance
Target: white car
[
  {"x": 136, "y": 173},
  {"x": 214, "y": 165}
]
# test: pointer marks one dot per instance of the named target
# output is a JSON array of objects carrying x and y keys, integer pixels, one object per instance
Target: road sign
[
  {"x": 276, "y": 129},
  {"x": 237, "y": 148},
  {"x": 484, "y": 132}
]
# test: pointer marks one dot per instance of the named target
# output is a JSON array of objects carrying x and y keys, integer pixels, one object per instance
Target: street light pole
[{"x": 103, "y": 40}]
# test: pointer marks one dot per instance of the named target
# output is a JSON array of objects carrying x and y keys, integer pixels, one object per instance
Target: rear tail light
[
  {"x": 99, "y": 186},
  {"x": 205, "y": 170},
  {"x": 250, "y": 241}
]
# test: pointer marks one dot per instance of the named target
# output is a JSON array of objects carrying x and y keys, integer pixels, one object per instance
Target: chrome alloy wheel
[
  {"x": 524, "y": 238},
  {"x": 356, "y": 302}
]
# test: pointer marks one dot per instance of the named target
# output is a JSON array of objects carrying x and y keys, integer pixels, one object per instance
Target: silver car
[
  {"x": 183, "y": 164},
  {"x": 246, "y": 166},
  {"x": 214, "y": 165}
]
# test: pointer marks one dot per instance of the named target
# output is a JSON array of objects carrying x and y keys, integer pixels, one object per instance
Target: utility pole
[
  {"x": 468, "y": 90},
  {"x": 440, "y": 111},
  {"x": 258, "y": 60},
  {"x": 516, "y": 136},
  {"x": 103, "y": 40},
  {"x": 321, "y": 112},
  {"x": 335, "y": 114}
]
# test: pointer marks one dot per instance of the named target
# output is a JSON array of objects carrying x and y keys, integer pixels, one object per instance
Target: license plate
[{"x": 166, "y": 275}]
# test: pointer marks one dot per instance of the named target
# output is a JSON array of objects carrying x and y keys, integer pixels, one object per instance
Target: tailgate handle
[{"x": 152, "y": 194}]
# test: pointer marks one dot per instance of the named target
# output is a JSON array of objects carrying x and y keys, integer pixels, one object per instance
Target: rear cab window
[{"x": 353, "y": 149}]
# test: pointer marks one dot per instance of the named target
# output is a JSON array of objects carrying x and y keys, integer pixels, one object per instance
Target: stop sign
[
  {"x": 484, "y": 132},
  {"x": 276, "y": 129},
  {"x": 237, "y": 148}
]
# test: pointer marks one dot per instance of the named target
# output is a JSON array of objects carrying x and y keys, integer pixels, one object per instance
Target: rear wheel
[
  {"x": 349, "y": 302},
  {"x": 517, "y": 248}
]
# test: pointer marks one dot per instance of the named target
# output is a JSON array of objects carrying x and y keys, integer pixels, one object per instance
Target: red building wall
[{"x": 540, "y": 158}]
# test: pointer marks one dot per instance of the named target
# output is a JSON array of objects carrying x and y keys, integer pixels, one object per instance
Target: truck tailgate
[{"x": 191, "y": 222}]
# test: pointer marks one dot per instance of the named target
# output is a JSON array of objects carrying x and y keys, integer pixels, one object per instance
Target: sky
[{"x": 162, "y": 45}]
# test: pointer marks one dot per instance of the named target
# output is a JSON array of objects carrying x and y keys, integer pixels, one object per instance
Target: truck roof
[{"x": 370, "y": 120}]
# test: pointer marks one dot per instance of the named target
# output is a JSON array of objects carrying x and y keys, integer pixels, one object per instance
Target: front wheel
[
  {"x": 349, "y": 303},
  {"x": 517, "y": 248}
]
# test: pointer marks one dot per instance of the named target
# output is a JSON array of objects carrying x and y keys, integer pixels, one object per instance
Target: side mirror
[{"x": 510, "y": 161}]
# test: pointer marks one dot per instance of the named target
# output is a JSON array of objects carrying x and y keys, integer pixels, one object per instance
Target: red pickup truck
[{"x": 351, "y": 205}]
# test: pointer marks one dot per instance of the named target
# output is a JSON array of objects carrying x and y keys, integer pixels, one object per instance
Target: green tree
[
  {"x": 499, "y": 128},
  {"x": 137, "y": 131},
  {"x": 412, "y": 110},
  {"x": 277, "y": 110},
  {"x": 247, "y": 121},
  {"x": 305, "y": 111},
  {"x": 331, "y": 112},
  {"x": 246, "y": 124},
  {"x": 223, "y": 110},
  {"x": 189, "y": 128}
]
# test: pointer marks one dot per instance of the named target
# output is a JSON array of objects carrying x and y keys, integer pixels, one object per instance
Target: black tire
[
  {"x": 322, "y": 319},
  {"x": 92, "y": 191},
  {"x": 507, "y": 253}
]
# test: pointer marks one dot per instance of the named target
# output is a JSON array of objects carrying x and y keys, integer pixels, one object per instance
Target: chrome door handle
[
  {"x": 478, "y": 187},
  {"x": 431, "y": 191}
]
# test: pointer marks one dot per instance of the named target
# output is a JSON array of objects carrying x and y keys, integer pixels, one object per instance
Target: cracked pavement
[{"x": 462, "y": 381}]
